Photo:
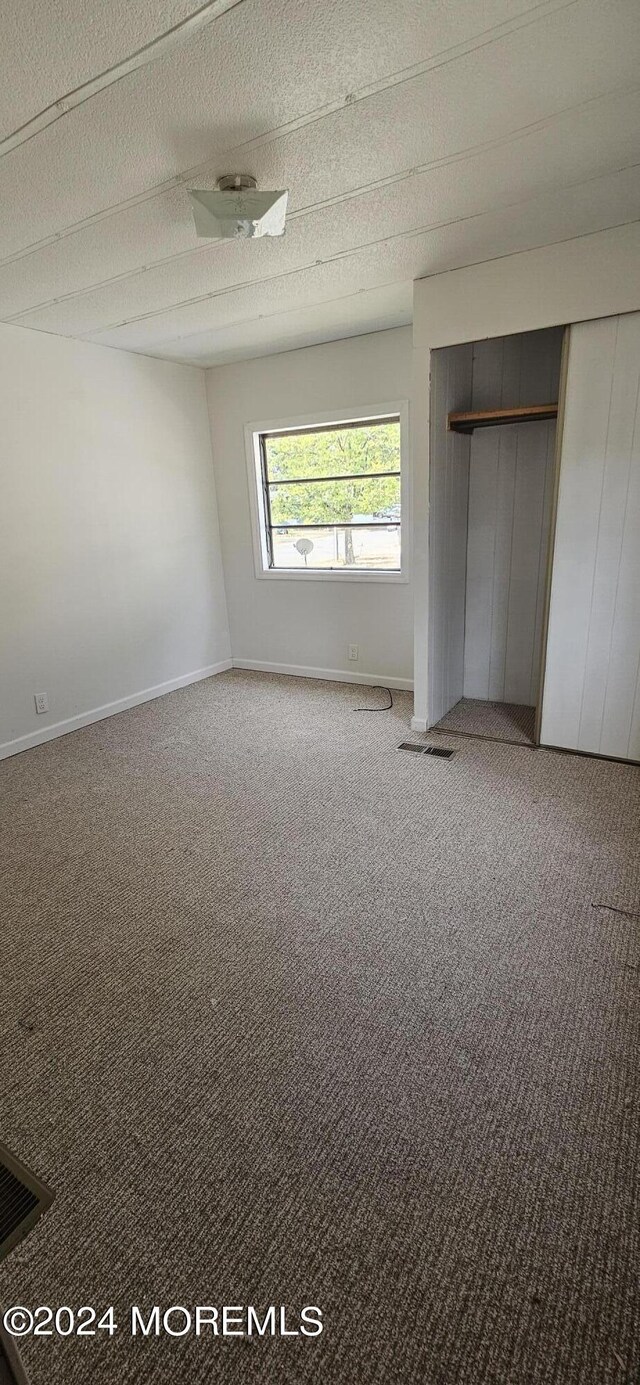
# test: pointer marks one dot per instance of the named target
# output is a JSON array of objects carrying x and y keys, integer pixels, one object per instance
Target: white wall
[
  {"x": 450, "y": 391},
  {"x": 306, "y": 626},
  {"x": 592, "y": 682},
  {"x": 110, "y": 569},
  {"x": 510, "y": 501},
  {"x": 589, "y": 276}
]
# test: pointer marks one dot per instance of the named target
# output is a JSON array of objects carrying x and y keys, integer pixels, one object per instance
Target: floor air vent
[
  {"x": 23, "y": 1198},
  {"x": 439, "y": 750}
]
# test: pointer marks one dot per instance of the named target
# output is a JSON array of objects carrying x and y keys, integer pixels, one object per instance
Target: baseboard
[
  {"x": 62, "y": 728},
  {"x": 419, "y": 724},
  {"x": 333, "y": 675}
]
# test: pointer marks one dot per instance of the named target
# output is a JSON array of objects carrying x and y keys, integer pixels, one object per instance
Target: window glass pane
[
  {"x": 338, "y": 547},
  {"x": 336, "y": 502},
  {"x": 334, "y": 452}
]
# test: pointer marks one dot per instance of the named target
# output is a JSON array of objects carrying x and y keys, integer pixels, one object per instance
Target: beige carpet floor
[
  {"x": 502, "y": 721},
  {"x": 290, "y": 1017}
]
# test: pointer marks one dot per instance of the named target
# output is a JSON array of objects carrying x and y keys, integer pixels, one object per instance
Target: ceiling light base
[{"x": 236, "y": 182}]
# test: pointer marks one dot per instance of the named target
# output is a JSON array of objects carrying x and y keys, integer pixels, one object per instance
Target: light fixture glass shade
[{"x": 224, "y": 215}]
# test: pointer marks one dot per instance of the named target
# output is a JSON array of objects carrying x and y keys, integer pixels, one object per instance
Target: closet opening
[{"x": 494, "y": 406}]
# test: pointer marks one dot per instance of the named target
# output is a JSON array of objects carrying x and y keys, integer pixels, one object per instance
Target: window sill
[{"x": 294, "y": 574}]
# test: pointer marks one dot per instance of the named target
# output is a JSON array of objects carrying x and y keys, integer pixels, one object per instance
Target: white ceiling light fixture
[{"x": 237, "y": 209}]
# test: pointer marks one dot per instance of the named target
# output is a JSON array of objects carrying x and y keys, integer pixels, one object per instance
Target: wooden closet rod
[{"x": 491, "y": 418}]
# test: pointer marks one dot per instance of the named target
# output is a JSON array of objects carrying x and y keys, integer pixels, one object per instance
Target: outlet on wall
[
  {"x": 42, "y": 702},
  {"x": 353, "y": 651}
]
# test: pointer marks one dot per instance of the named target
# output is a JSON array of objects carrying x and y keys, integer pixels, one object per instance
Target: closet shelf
[{"x": 491, "y": 418}]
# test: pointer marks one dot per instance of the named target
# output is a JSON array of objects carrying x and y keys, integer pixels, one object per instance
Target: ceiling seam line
[
  {"x": 509, "y": 254},
  {"x": 107, "y": 346},
  {"x": 304, "y": 269},
  {"x": 148, "y": 53},
  {"x": 339, "y": 255},
  {"x": 299, "y": 213},
  {"x": 279, "y": 312},
  {"x": 303, "y": 122},
  {"x": 94, "y": 332},
  {"x": 149, "y": 355}
]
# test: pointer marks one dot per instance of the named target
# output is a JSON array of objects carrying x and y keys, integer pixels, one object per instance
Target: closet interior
[{"x": 492, "y": 474}]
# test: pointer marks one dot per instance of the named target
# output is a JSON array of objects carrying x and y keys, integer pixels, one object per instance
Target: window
[{"x": 330, "y": 497}]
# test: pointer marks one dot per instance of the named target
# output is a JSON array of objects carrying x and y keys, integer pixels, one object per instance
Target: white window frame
[{"x": 365, "y": 414}]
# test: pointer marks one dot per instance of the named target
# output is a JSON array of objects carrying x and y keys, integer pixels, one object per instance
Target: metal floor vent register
[
  {"x": 439, "y": 750},
  {"x": 23, "y": 1198}
]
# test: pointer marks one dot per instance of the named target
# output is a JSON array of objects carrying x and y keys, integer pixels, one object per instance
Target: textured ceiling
[{"x": 414, "y": 136}]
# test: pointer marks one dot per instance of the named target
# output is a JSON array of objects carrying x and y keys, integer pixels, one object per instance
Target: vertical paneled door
[{"x": 591, "y": 699}]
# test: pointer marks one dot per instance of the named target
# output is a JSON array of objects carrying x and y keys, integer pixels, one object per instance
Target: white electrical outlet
[
  {"x": 42, "y": 702},
  {"x": 353, "y": 651}
]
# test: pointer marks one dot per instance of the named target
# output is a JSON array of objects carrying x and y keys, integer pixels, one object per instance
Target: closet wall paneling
[
  {"x": 449, "y": 491},
  {"x": 510, "y": 498}
]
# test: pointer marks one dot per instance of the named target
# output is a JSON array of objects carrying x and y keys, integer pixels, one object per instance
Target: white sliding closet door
[{"x": 591, "y": 696}]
